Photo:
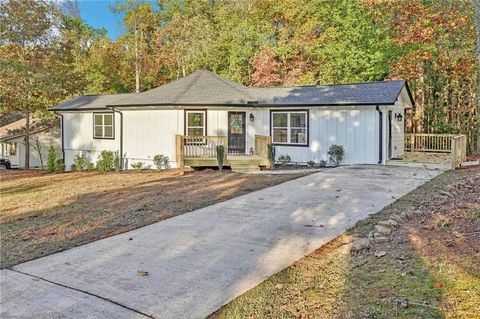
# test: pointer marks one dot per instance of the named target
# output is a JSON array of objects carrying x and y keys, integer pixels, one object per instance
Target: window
[
  {"x": 11, "y": 148},
  {"x": 290, "y": 127},
  {"x": 195, "y": 123},
  {"x": 103, "y": 125}
]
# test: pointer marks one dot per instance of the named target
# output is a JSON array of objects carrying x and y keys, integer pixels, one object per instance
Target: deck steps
[{"x": 245, "y": 164}]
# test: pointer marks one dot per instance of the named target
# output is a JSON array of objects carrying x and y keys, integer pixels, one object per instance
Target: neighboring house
[
  {"x": 12, "y": 143},
  {"x": 303, "y": 122}
]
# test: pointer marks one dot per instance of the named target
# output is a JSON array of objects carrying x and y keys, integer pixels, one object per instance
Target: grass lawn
[
  {"x": 431, "y": 266},
  {"x": 42, "y": 214}
]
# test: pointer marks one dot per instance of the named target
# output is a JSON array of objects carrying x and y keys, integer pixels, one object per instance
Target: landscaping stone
[
  {"x": 383, "y": 230},
  {"x": 380, "y": 253},
  {"x": 381, "y": 239},
  {"x": 397, "y": 218},
  {"x": 361, "y": 244}
]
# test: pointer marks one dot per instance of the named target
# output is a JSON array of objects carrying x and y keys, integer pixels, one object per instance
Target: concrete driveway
[{"x": 199, "y": 261}]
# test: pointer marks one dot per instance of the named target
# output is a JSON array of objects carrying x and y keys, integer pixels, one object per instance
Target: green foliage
[
  {"x": 335, "y": 154},
  {"x": 90, "y": 166},
  {"x": 117, "y": 161},
  {"x": 80, "y": 161},
  {"x": 220, "y": 156},
  {"x": 52, "y": 157},
  {"x": 271, "y": 155},
  {"x": 284, "y": 159},
  {"x": 105, "y": 161},
  {"x": 60, "y": 166},
  {"x": 161, "y": 161},
  {"x": 311, "y": 164},
  {"x": 137, "y": 165},
  {"x": 73, "y": 167},
  {"x": 322, "y": 163}
]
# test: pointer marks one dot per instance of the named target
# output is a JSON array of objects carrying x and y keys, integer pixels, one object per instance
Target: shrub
[
  {"x": 322, "y": 163},
  {"x": 161, "y": 161},
  {"x": 117, "y": 161},
  {"x": 105, "y": 161},
  {"x": 90, "y": 166},
  {"x": 220, "y": 156},
  {"x": 73, "y": 167},
  {"x": 311, "y": 164},
  {"x": 284, "y": 159},
  {"x": 80, "y": 160},
  {"x": 51, "y": 159},
  {"x": 59, "y": 166},
  {"x": 137, "y": 165},
  {"x": 271, "y": 155},
  {"x": 336, "y": 154}
]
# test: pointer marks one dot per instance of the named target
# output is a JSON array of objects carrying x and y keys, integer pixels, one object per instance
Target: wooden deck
[
  {"x": 437, "y": 151},
  {"x": 201, "y": 151}
]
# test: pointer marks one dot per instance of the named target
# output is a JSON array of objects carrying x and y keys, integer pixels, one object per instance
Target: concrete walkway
[{"x": 199, "y": 261}]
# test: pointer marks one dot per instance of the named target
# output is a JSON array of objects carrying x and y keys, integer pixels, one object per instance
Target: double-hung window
[
  {"x": 195, "y": 123},
  {"x": 103, "y": 125},
  {"x": 290, "y": 127}
]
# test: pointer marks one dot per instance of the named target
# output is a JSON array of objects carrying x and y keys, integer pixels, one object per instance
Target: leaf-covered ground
[
  {"x": 42, "y": 214},
  {"x": 429, "y": 268}
]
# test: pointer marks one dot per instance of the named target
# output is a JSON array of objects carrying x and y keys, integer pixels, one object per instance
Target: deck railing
[
  {"x": 455, "y": 144},
  {"x": 261, "y": 145}
]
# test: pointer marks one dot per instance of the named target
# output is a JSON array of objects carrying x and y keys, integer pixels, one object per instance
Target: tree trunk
[
  {"x": 137, "y": 62},
  {"x": 420, "y": 109},
  {"x": 27, "y": 140}
]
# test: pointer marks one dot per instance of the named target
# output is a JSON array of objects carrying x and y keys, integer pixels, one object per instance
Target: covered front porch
[
  {"x": 201, "y": 151},
  {"x": 438, "y": 151}
]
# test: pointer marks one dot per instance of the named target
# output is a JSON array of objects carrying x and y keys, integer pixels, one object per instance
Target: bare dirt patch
[
  {"x": 44, "y": 214},
  {"x": 426, "y": 267}
]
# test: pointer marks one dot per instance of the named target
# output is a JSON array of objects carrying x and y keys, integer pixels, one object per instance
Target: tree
[{"x": 139, "y": 20}]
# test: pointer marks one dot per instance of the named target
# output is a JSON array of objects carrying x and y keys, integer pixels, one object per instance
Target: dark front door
[{"x": 236, "y": 132}]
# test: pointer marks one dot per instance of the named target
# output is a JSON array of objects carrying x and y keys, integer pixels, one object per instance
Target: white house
[
  {"x": 366, "y": 118},
  {"x": 12, "y": 143}
]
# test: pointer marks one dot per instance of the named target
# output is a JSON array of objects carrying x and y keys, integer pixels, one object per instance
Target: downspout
[
  {"x": 61, "y": 132},
  {"x": 121, "y": 137},
  {"x": 380, "y": 135}
]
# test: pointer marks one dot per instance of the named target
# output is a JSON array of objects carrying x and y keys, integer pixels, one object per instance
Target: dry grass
[
  {"x": 42, "y": 214},
  {"x": 430, "y": 270}
]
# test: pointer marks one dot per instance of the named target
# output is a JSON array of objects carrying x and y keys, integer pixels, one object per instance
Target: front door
[{"x": 236, "y": 132}]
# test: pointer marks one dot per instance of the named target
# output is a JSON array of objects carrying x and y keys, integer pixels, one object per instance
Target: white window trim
[
  {"x": 204, "y": 127},
  {"x": 103, "y": 125},
  {"x": 289, "y": 128}
]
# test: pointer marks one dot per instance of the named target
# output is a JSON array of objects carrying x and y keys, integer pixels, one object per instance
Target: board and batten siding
[
  {"x": 147, "y": 133},
  {"x": 355, "y": 128},
  {"x": 78, "y": 137}
]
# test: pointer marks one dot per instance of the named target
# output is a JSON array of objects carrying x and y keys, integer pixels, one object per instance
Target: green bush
[
  {"x": 51, "y": 159},
  {"x": 90, "y": 166},
  {"x": 80, "y": 161},
  {"x": 336, "y": 154},
  {"x": 271, "y": 155},
  {"x": 220, "y": 156},
  {"x": 284, "y": 159},
  {"x": 311, "y": 164},
  {"x": 117, "y": 161},
  {"x": 161, "y": 161},
  {"x": 322, "y": 163},
  {"x": 105, "y": 161},
  {"x": 73, "y": 167},
  {"x": 59, "y": 166},
  {"x": 137, "y": 165}
]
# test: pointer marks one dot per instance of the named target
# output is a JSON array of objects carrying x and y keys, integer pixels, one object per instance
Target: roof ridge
[{"x": 318, "y": 85}]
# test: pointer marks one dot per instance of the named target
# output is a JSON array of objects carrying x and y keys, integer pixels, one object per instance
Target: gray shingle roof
[
  {"x": 205, "y": 88},
  {"x": 89, "y": 102},
  {"x": 385, "y": 92},
  {"x": 202, "y": 87}
]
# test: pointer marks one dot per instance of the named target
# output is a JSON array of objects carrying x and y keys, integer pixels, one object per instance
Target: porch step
[{"x": 245, "y": 164}]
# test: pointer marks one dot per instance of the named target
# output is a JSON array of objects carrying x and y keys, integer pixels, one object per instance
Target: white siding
[
  {"x": 355, "y": 128},
  {"x": 147, "y": 133},
  {"x": 78, "y": 137}
]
